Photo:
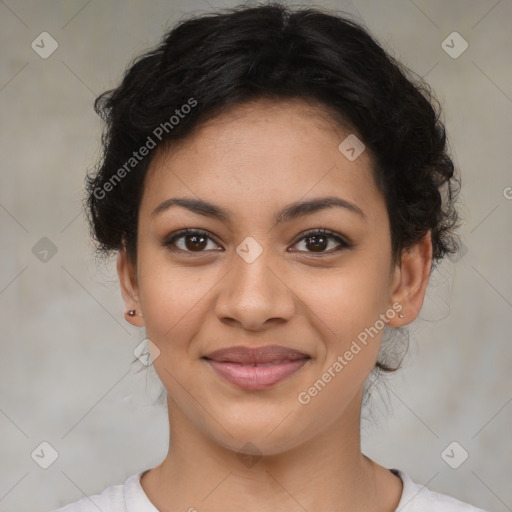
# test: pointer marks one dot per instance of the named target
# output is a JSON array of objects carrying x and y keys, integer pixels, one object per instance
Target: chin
[
  {"x": 257, "y": 446},
  {"x": 259, "y": 437}
]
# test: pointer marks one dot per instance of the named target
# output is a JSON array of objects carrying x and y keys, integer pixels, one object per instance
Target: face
[{"x": 255, "y": 269}]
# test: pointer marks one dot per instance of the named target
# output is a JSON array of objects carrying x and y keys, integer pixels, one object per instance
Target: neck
[{"x": 328, "y": 472}]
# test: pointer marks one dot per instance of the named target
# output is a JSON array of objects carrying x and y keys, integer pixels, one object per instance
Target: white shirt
[{"x": 130, "y": 497}]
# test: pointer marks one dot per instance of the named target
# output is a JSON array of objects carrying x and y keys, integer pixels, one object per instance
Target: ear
[
  {"x": 409, "y": 281},
  {"x": 129, "y": 288}
]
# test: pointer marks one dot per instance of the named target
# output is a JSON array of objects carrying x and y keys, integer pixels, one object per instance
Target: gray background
[{"x": 66, "y": 375}]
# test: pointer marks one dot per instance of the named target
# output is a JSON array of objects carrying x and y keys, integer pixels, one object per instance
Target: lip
[{"x": 255, "y": 368}]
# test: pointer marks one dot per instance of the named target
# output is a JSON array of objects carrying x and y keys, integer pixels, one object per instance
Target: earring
[
  {"x": 400, "y": 315},
  {"x": 131, "y": 312}
]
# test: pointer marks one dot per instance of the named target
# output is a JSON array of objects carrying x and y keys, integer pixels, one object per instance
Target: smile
[
  {"x": 255, "y": 368},
  {"x": 256, "y": 376}
]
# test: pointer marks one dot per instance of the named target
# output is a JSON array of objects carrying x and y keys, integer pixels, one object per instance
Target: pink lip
[{"x": 256, "y": 368}]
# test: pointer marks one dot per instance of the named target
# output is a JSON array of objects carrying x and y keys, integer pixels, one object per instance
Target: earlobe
[
  {"x": 127, "y": 274},
  {"x": 410, "y": 281}
]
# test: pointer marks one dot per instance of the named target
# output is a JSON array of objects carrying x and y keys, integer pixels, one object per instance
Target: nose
[{"x": 254, "y": 295}]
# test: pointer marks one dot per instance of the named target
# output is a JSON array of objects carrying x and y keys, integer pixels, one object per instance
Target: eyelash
[{"x": 343, "y": 244}]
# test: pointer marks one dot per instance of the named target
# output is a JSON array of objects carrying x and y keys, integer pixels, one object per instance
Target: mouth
[{"x": 256, "y": 368}]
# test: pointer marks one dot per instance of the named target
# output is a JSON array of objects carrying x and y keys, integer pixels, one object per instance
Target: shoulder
[
  {"x": 126, "y": 497},
  {"x": 417, "y": 498}
]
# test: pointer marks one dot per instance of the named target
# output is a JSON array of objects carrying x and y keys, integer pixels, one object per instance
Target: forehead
[{"x": 262, "y": 150}]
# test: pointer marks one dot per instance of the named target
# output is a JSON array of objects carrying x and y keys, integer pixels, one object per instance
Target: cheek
[
  {"x": 173, "y": 301},
  {"x": 345, "y": 309},
  {"x": 346, "y": 300},
  {"x": 173, "y": 312}
]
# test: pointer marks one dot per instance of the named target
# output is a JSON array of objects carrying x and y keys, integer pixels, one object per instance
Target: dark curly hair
[{"x": 213, "y": 61}]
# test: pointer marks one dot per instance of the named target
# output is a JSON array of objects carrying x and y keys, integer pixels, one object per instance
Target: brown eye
[
  {"x": 320, "y": 240},
  {"x": 317, "y": 243},
  {"x": 195, "y": 242},
  {"x": 189, "y": 240}
]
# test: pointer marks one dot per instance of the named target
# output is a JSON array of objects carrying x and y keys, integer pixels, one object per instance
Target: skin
[{"x": 254, "y": 160}]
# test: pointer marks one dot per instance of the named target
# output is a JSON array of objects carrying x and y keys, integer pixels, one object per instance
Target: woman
[{"x": 277, "y": 191}]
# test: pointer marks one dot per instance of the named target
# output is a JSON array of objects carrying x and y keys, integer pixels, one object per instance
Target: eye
[
  {"x": 189, "y": 240},
  {"x": 196, "y": 241},
  {"x": 318, "y": 240}
]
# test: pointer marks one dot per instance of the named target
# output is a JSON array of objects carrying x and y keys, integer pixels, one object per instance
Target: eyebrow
[{"x": 290, "y": 212}]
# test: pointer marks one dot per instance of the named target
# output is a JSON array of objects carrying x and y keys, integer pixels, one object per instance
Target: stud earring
[
  {"x": 400, "y": 315},
  {"x": 131, "y": 312}
]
